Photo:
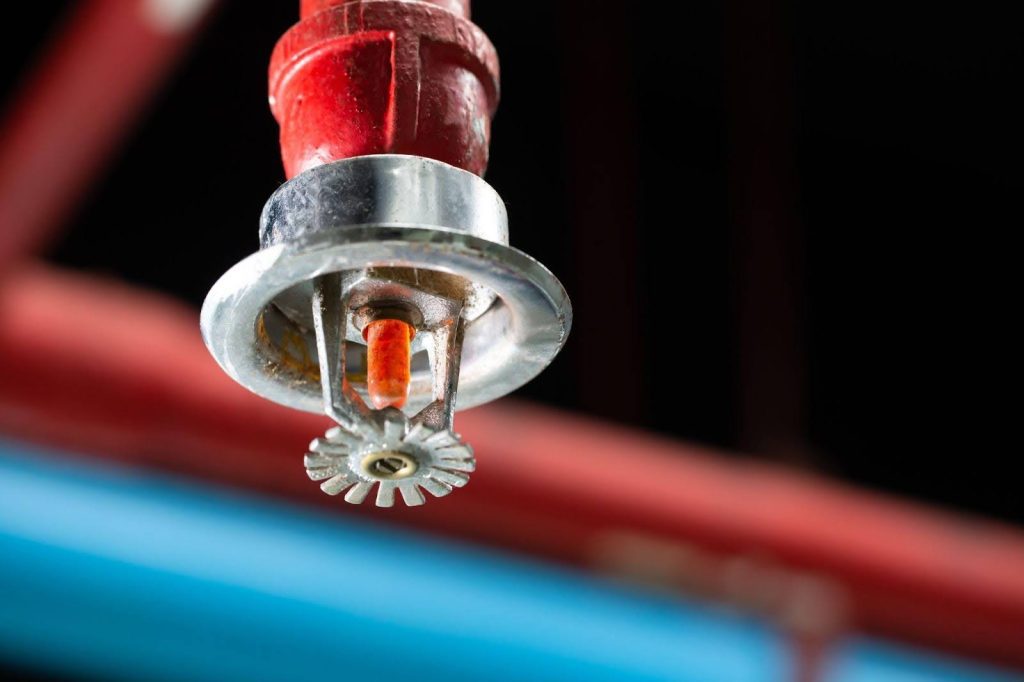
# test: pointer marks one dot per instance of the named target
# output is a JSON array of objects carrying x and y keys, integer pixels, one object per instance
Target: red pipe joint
[{"x": 384, "y": 76}]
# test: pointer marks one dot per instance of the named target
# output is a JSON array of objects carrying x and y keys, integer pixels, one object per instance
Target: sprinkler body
[{"x": 385, "y": 294}]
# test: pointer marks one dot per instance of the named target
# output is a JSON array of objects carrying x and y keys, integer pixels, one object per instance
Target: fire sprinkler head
[
  {"x": 385, "y": 293},
  {"x": 386, "y": 237}
]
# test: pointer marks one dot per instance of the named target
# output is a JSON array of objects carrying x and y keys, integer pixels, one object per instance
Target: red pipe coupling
[{"x": 384, "y": 76}]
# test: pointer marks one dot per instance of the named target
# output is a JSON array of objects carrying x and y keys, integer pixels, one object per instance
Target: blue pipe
[
  {"x": 115, "y": 574},
  {"x": 862, "y": 659}
]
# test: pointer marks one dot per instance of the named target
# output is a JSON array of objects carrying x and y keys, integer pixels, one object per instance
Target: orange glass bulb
[{"x": 388, "y": 362}]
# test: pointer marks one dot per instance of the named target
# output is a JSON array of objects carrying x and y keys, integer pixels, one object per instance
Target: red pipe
[
  {"x": 387, "y": 76},
  {"x": 97, "y": 368},
  {"x": 311, "y": 7},
  {"x": 78, "y": 104}
]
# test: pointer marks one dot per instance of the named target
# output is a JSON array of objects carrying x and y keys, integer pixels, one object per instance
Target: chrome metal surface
[
  {"x": 339, "y": 401},
  {"x": 383, "y": 189},
  {"x": 392, "y": 453},
  {"x": 271, "y": 350},
  {"x": 393, "y": 233},
  {"x": 369, "y": 296}
]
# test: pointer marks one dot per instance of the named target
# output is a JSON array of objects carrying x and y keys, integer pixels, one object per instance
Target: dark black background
[{"x": 784, "y": 225}]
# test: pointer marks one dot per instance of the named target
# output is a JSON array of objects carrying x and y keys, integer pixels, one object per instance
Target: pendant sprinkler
[{"x": 384, "y": 284}]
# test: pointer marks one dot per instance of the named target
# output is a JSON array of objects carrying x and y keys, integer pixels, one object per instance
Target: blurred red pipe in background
[
  {"x": 98, "y": 368},
  {"x": 78, "y": 104}
]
